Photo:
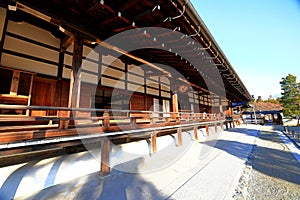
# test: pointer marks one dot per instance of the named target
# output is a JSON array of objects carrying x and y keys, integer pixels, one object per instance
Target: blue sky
[{"x": 260, "y": 38}]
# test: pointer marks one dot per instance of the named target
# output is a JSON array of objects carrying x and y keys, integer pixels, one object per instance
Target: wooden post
[
  {"x": 196, "y": 133},
  {"x": 222, "y": 126},
  {"x": 153, "y": 142},
  {"x": 75, "y": 80},
  {"x": 216, "y": 127},
  {"x": 29, "y": 97},
  {"x": 105, "y": 153},
  {"x": 62, "y": 123},
  {"x": 15, "y": 83},
  {"x": 175, "y": 105},
  {"x": 106, "y": 121},
  {"x": 179, "y": 136},
  {"x": 3, "y": 26},
  {"x": 207, "y": 130},
  {"x": 220, "y": 104}
]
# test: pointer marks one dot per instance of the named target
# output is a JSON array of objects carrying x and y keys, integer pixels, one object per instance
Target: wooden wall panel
[
  {"x": 86, "y": 95},
  {"x": 30, "y": 49},
  {"x": 149, "y": 103},
  {"x": 43, "y": 94},
  {"x": 137, "y": 102},
  {"x": 64, "y": 98},
  {"x": 28, "y": 65},
  {"x": 32, "y": 32}
]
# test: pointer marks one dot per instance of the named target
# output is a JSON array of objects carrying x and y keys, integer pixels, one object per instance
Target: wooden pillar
[
  {"x": 106, "y": 120},
  {"x": 30, "y": 92},
  {"x": 179, "y": 136},
  {"x": 174, "y": 92},
  {"x": 220, "y": 104},
  {"x": 75, "y": 81},
  {"x": 153, "y": 142},
  {"x": 105, "y": 153},
  {"x": 207, "y": 130},
  {"x": 58, "y": 92},
  {"x": 196, "y": 133},
  {"x": 175, "y": 102},
  {"x": 126, "y": 76},
  {"x": 3, "y": 26},
  {"x": 100, "y": 60},
  {"x": 60, "y": 69},
  {"x": 273, "y": 118},
  {"x": 15, "y": 83}
]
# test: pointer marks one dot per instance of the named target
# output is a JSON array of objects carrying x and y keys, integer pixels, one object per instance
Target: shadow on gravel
[
  {"x": 238, "y": 149},
  {"x": 244, "y": 131},
  {"x": 117, "y": 185},
  {"x": 272, "y": 162}
]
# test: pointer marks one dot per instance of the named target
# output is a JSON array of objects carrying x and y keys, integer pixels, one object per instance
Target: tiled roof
[{"x": 264, "y": 106}]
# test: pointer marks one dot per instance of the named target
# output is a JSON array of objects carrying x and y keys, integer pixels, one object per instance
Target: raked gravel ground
[{"x": 274, "y": 172}]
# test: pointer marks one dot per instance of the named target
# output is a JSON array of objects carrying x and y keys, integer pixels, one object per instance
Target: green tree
[
  {"x": 272, "y": 100},
  {"x": 290, "y": 96}
]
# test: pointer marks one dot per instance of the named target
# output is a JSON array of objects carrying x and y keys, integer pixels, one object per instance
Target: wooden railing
[
  {"x": 24, "y": 137},
  {"x": 93, "y": 123}
]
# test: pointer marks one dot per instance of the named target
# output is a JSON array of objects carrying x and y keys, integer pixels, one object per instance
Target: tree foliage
[
  {"x": 290, "y": 95},
  {"x": 272, "y": 100}
]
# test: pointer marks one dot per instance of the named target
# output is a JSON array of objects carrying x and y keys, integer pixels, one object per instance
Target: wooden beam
[{"x": 66, "y": 42}]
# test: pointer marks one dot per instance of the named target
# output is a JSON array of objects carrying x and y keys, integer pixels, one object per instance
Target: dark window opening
[{"x": 5, "y": 81}]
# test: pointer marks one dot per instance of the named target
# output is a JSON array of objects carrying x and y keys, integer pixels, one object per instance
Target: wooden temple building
[{"x": 51, "y": 87}]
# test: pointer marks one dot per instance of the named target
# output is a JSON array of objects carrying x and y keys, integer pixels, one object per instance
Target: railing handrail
[
  {"x": 58, "y": 108},
  {"x": 101, "y": 135}
]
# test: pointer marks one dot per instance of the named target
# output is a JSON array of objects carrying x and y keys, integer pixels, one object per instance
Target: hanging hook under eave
[
  {"x": 197, "y": 32},
  {"x": 207, "y": 47},
  {"x": 156, "y": 7},
  {"x": 182, "y": 13},
  {"x": 211, "y": 58}
]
